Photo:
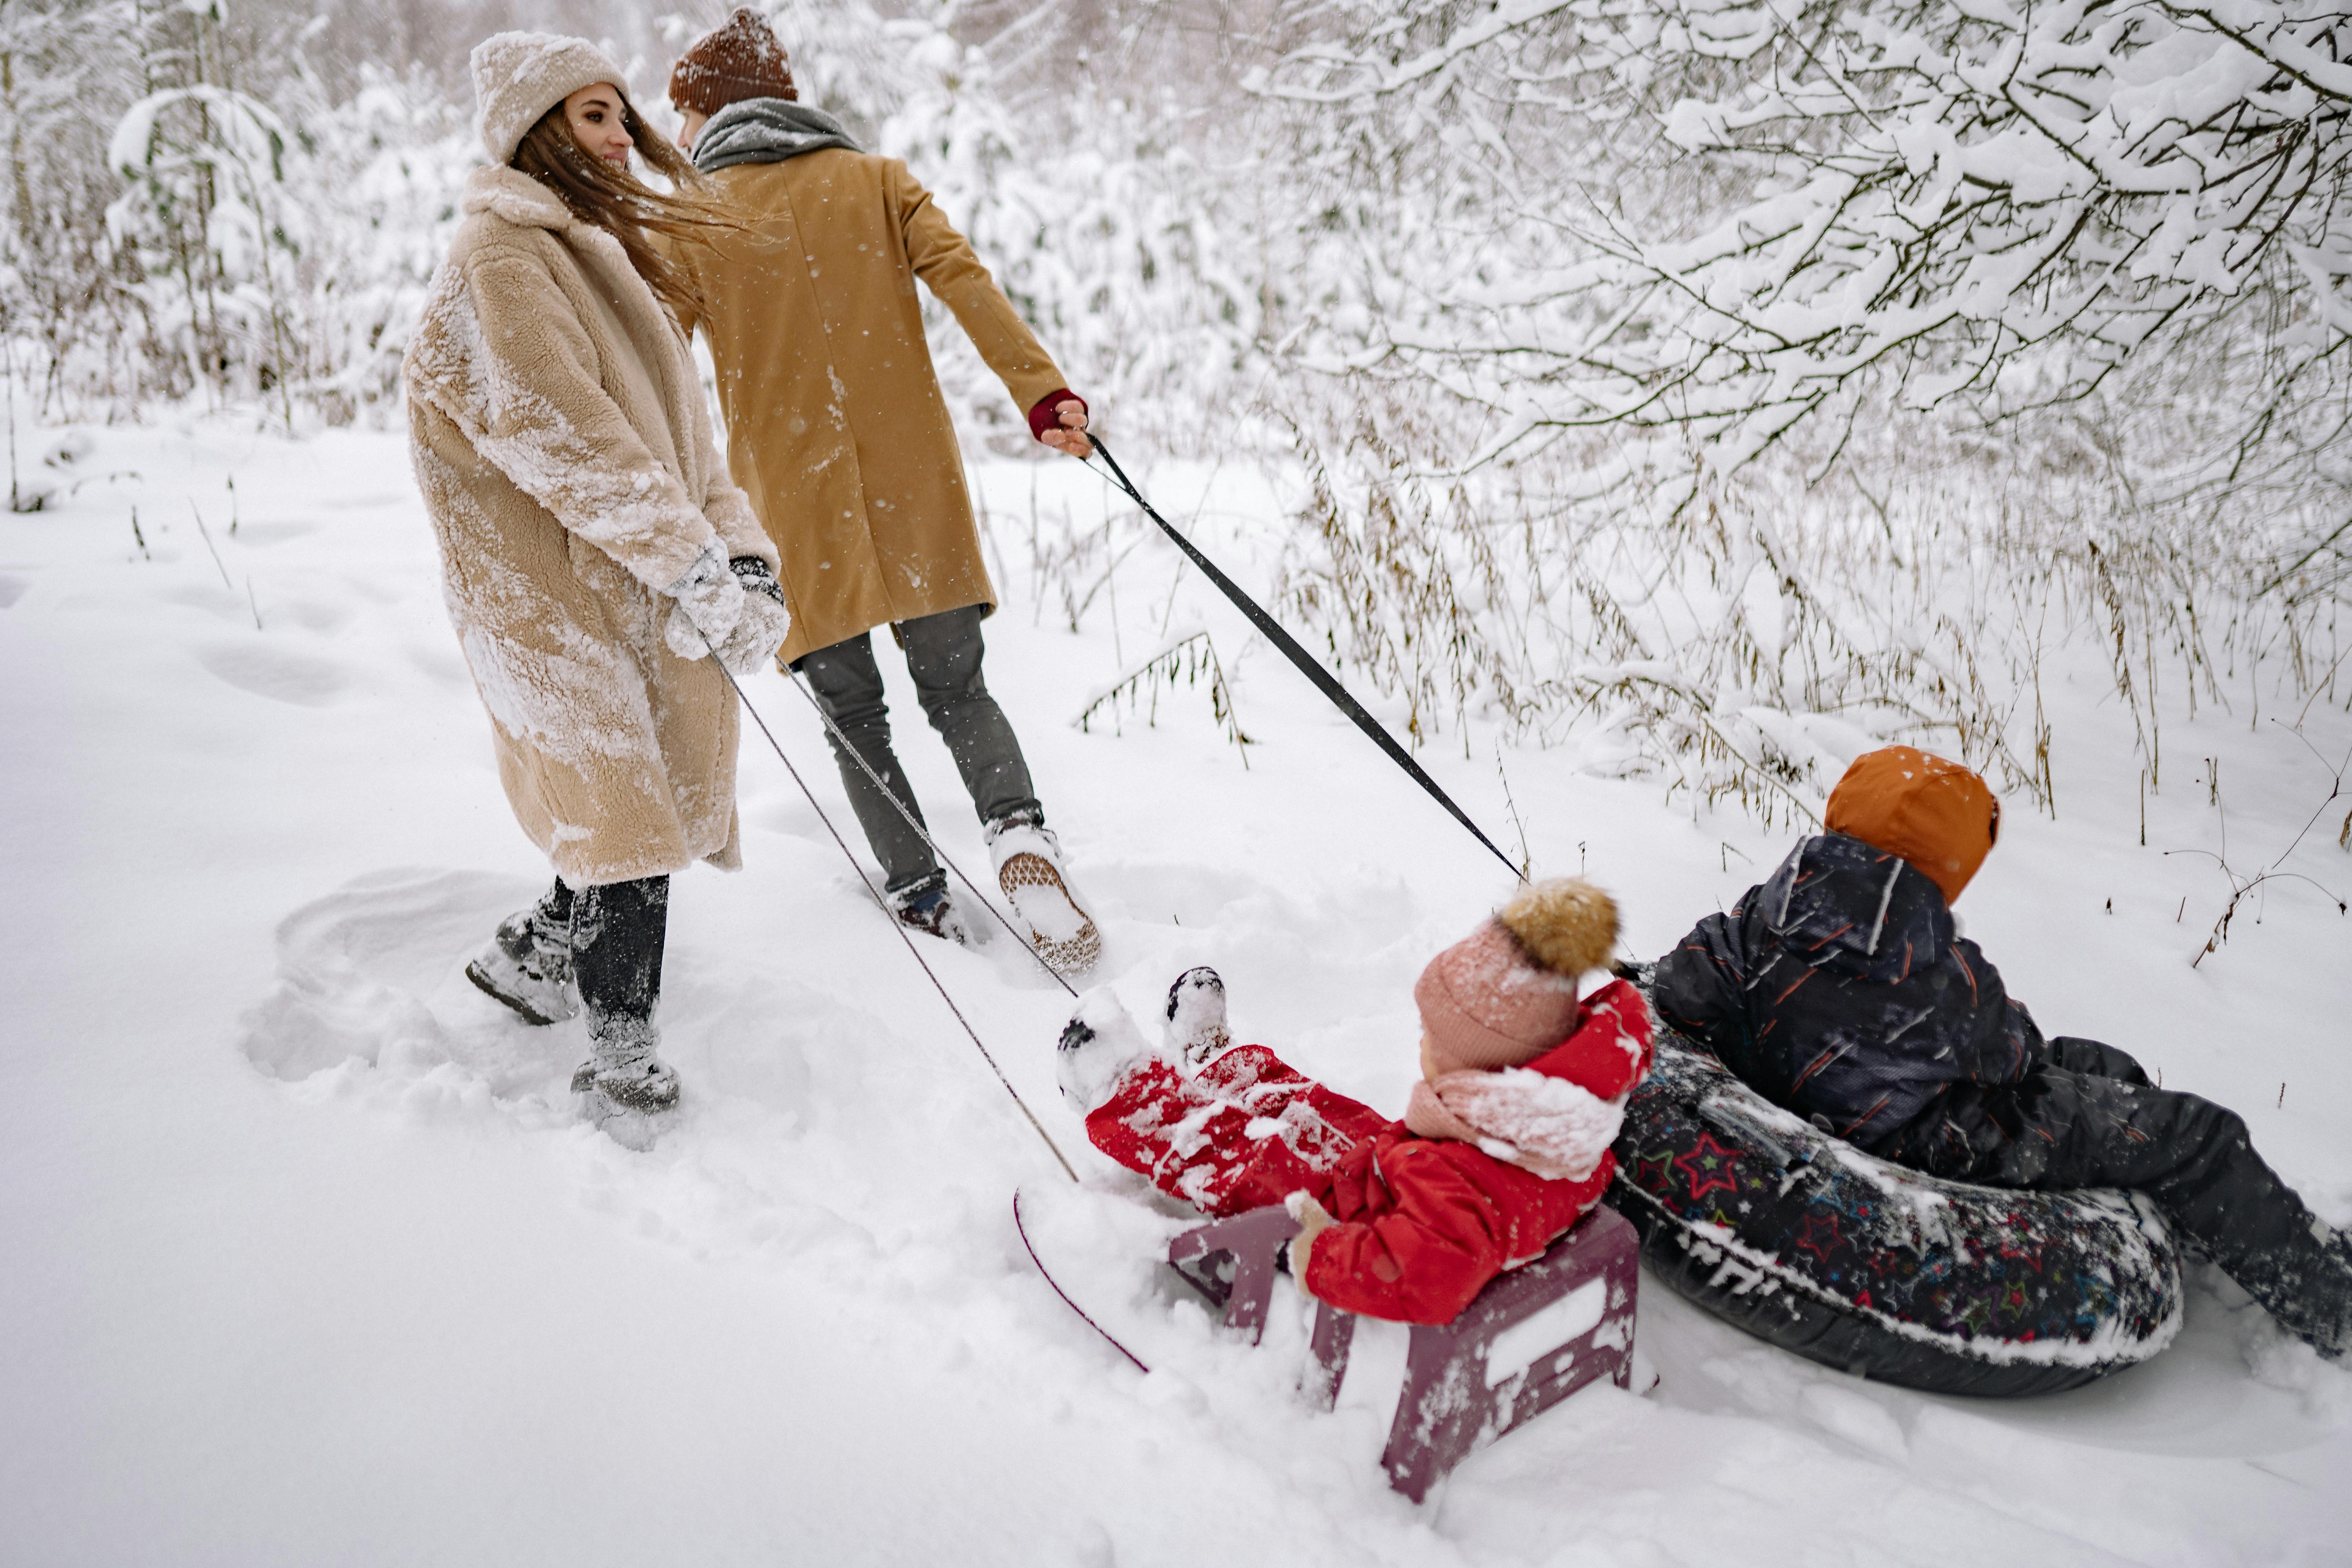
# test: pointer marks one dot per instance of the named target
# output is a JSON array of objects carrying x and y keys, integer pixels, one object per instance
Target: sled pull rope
[
  {"x": 920, "y": 831},
  {"x": 1309, "y": 666},
  {"x": 883, "y": 904}
]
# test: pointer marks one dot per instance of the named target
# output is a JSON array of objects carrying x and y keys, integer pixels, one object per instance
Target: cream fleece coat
[{"x": 559, "y": 436}]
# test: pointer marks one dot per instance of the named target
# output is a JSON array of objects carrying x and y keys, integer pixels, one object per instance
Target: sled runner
[
  {"x": 1532, "y": 1337},
  {"x": 1803, "y": 1240}
]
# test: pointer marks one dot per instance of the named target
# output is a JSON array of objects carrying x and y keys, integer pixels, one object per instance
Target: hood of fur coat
[{"x": 511, "y": 194}]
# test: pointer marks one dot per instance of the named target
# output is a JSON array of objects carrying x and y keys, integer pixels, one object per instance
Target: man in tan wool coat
[{"x": 837, "y": 431}]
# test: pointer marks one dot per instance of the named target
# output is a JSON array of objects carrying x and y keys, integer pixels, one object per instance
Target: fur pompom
[{"x": 1567, "y": 924}]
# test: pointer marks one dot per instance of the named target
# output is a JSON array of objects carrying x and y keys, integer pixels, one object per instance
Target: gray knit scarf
[{"x": 766, "y": 131}]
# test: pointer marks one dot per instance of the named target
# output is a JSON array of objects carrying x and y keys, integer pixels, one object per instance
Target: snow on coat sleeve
[
  {"x": 537, "y": 411},
  {"x": 1247, "y": 1133},
  {"x": 943, "y": 259}
]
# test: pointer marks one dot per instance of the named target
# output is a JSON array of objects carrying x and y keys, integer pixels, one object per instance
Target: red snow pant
[{"x": 1422, "y": 1224}]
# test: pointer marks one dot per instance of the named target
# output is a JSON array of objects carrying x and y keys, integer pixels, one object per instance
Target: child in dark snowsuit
[
  {"x": 1841, "y": 989},
  {"x": 1503, "y": 1146}
]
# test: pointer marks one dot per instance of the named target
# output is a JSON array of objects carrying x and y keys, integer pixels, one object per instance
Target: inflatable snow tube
[{"x": 1808, "y": 1243}]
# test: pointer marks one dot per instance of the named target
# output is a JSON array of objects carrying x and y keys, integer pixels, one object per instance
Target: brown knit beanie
[
  {"x": 741, "y": 59},
  {"x": 1506, "y": 993}
]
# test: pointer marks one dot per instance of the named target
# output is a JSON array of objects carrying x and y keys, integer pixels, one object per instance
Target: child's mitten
[{"x": 1313, "y": 1219}]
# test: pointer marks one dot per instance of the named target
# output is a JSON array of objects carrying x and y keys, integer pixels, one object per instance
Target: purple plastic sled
[{"x": 1532, "y": 1338}]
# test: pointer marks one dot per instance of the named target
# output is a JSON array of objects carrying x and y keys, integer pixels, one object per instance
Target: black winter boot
[
  {"x": 617, "y": 935},
  {"x": 527, "y": 964},
  {"x": 927, "y": 906},
  {"x": 2306, "y": 1285}
]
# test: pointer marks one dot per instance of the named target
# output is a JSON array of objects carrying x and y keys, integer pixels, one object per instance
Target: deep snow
[{"x": 306, "y": 1260}]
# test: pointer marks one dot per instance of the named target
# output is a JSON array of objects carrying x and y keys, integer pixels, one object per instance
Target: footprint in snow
[
  {"x": 372, "y": 973},
  {"x": 365, "y": 973},
  {"x": 277, "y": 673}
]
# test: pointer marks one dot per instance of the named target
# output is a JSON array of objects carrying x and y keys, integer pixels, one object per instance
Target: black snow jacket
[{"x": 1841, "y": 989}]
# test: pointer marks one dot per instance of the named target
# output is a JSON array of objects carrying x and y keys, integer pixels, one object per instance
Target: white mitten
[
  {"x": 764, "y": 624},
  {"x": 709, "y": 603}
]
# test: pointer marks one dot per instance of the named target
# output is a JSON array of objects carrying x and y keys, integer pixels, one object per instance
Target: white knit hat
[{"x": 518, "y": 76}]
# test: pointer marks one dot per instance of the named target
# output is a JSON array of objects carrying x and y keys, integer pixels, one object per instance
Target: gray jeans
[{"x": 943, "y": 654}]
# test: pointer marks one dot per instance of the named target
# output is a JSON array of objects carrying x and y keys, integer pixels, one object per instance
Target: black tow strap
[{"x": 1309, "y": 666}]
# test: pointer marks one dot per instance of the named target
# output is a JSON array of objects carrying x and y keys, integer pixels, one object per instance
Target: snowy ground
[{"x": 305, "y": 1261}]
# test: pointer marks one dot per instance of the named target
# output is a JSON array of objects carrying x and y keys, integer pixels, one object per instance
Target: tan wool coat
[
  {"x": 835, "y": 421},
  {"x": 559, "y": 436}
]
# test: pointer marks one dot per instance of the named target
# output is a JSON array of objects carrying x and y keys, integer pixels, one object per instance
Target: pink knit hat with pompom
[{"x": 1506, "y": 993}]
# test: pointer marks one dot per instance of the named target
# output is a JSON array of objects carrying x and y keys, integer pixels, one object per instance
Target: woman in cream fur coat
[{"x": 597, "y": 561}]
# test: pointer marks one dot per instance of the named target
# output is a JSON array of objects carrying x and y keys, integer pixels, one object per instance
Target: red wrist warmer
[{"x": 1046, "y": 414}]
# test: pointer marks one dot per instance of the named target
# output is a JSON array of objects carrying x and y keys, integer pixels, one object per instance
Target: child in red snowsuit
[{"x": 1503, "y": 1146}]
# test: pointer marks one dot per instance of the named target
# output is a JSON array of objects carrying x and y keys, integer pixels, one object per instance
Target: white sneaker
[{"x": 1028, "y": 861}]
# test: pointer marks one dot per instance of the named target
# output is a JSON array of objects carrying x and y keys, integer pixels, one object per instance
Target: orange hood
[{"x": 1933, "y": 814}]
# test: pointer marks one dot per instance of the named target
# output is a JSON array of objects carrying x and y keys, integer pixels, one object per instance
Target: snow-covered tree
[
  {"x": 1103, "y": 226},
  {"x": 211, "y": 221},
  {"x": 1734, "y": 322},
  {"x": 1734, "y": 216}
]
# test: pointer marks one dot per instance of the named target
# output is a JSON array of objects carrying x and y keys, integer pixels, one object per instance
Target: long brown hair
[{"x": 617, "y": 202}]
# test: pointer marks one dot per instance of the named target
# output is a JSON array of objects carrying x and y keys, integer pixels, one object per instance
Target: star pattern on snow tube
[
  {"x": 1820, "y": 1237},
  {"x": 2029, "y": 1255},
  {"x": 1708, "y": 1164}
]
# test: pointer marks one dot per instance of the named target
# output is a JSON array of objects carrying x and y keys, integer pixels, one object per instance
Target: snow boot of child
[
  {"x": 2338, "y": 1247},
  {"x": 618, "y": 932},
  {"x": 1028, "y": 861},
  {"x": 527, "y": 964},
  {"x": 1098, "y": 1045},
  {"x": 1196, "y": 1032},
  {"x": 927, "y": 906},
  {"x": 2308, "y": 1289}
]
